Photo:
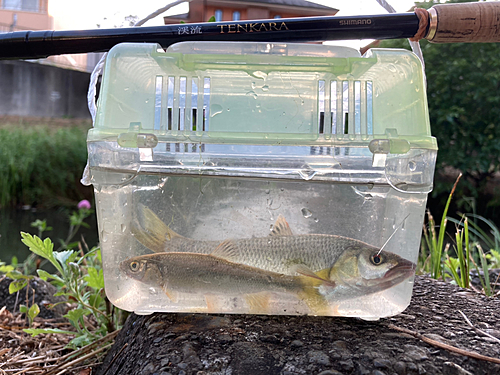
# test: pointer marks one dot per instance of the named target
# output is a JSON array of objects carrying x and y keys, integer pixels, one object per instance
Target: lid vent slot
[{"x": 350, "y": 104}]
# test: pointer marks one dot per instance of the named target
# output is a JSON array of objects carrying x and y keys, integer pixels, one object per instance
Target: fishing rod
[{"x": 443, "y": 23}]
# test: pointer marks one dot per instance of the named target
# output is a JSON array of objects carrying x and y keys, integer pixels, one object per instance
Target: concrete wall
[
  {"x": 32, "y": 89},
  {"x": 19, "y": 19}
]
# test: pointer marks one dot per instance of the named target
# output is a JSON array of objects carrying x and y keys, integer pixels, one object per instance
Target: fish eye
[
  {"x": 376, "y": 259},
  {"x": 134, "y": 266}
]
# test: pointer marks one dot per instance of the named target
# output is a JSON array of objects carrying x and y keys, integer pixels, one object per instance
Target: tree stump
[{"x": 202, "y": 344}]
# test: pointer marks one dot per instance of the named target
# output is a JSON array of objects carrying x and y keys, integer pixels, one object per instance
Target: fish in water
[
  {"x": 343, "y": 267},
  {"x": 353, "y": 275},
  {"x": 338, "y": 268},
  {"x": 359, "y": 272},
  {"x": 211, "y": 274}
]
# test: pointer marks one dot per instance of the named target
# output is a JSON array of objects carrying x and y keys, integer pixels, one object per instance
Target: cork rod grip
[{"x": 465, "y": 23}]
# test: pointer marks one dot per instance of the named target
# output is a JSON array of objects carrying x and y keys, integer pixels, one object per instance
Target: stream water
[{"x": 13, "y": 221}]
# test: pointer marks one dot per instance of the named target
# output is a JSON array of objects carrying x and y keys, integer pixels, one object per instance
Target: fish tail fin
[{"x": 151, "y": 231}]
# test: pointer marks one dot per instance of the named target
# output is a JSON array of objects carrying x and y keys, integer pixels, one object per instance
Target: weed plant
[
  {"x": 78, "y": 278},
  {"x": 470, "y": 238},
  {"x": 40, "y": 164}
]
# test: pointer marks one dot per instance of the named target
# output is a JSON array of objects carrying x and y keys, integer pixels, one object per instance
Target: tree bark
[{"x": 203, "y": 344}]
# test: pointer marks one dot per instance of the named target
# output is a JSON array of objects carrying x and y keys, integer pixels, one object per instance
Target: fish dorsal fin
[
  {"x": 281, "y": 227},
  {"x": 303, "y": 270},
  {"x": 153, "y": 224},
  {"x": 152, "y": 242},
  {"x": 150, "y": 231},
  {"x": 171, "y": 235},
  {"x": 226, "y": 250}
]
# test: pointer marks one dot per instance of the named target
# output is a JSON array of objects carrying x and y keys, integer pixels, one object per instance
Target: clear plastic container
[{"x": 261, "y": 178}]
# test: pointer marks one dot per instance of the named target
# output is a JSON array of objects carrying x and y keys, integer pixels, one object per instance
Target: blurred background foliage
[
  {"x": 463, "y": 91},
  {"x": 43, "y": 165}
]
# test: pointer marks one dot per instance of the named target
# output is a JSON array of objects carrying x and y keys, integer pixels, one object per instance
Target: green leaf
[
  {"x": 494, "y": 258},
  {"x": 23, "y": 309},
  {"x": 81, "y": 341},
  {"x": 41, "y": 225},
  {"x": 34, "y": 243},
  {"x": 44, "y": 275},
  {"x": 452, "y": 264},
  {"x": 45, "y": 248},
  {"x": 72, "y": 245},
  {"x": 33, "y": 311},
  {"x": 75, "y": 219},
  {"x": 211, "y": 19},
  {"x": 61, "y": 293},
  {"x": 86, "y": 296},
  {"x": 75, "y": 314},
  {"x": 75, "y": 270},
  {"x": 99, "y": 256},
  {"x": 17, "y": 285},
  {"x": 96, "y": 300},
  {"x": 64, "y": 257},
  {"x": 6, "y": 269},
  {"x": 16, "y": 275},
  {"x": 95, "y": 279},
  {"x": 92, "y": 256},
  {"x": 36, "y": 331},
  {"x": 484, "y": 266}
]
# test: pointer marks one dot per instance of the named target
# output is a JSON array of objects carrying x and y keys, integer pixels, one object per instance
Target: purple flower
[{"x": 85, "y": 204}]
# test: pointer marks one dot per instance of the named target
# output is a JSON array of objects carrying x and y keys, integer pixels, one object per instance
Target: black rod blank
[{"x": 39, "y": 44}]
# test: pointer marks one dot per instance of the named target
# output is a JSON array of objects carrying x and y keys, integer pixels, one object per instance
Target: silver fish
[
  {"x": 209, "y": 274},
  {"x": 279, "y": 252},
  {"x": 343, "y": 267}
]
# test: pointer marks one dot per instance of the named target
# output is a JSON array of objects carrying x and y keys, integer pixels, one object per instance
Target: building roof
[
  {"x": 307, "y": 7},
  {"x": 294, "y": 3},
  {"x": 183, "y": 17}
]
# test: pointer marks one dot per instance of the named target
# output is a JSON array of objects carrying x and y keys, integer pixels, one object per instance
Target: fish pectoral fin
[
  {"x": 226, "y": 250},
  {"x": 171, "y": 294},
  {"x": 258, "y": 302},
  {"x": 281, "y": 227},
  {"x": 314, "y": 300},
  {"x": 303, "y": 270},
  {"x": 151, "y": 231},
  {"x": 310, "y": 292},
  {"x": 213, "y": 305}
]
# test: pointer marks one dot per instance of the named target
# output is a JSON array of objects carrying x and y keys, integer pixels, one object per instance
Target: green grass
[
  {"x": 467, "y": 245},
  {"x": 431, "y": 252},
  {"x": 41, "y": 165}
]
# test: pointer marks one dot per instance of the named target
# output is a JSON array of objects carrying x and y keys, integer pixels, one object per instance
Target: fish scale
[
  {"x": 277, "y": 253},
  {"x": 206, "y": 271},
  {"x": 330, "y": 267}
]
